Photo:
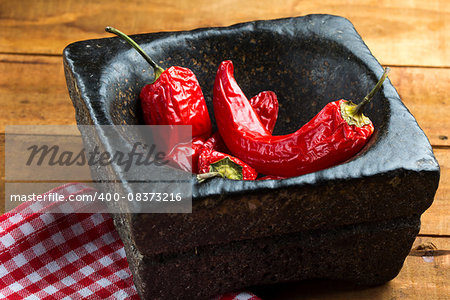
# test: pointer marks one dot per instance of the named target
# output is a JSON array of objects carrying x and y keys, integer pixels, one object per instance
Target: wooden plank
[
  {"x": 424, "y": 277},
  {"x": 403, "y": 32},
  {"x": 425, "y": 92},
  {"x": 2, "y": 173},
  {"x": 33, "y": 91},
  {"x": 436, "y": 220}
]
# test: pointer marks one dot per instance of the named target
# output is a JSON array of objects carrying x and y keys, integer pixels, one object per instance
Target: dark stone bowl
[{"x": 355, "y": 221}]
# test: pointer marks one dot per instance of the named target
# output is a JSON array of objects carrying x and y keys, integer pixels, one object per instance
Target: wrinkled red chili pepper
[
  {"x": 174, "y": 98},
  {"x": 185, "y": 155},
  {"x": 214, "y": 163},
  {"x": 215, "y": 142},
  {"x": 265, "y": 105},
  {"x": 334, "y": 135}
]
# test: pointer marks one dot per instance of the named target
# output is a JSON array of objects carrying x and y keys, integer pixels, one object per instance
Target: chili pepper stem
[
  {"x": 360, "y": 107},
  {"x": 225, "y": 168},
  {"x": 156, "y": 68},
  {"x": 204, "y": 176},
  {"x": 352, "y": 113}
]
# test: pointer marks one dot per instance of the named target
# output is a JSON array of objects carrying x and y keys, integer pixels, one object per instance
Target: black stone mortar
[{"x": 355, "y": 221}]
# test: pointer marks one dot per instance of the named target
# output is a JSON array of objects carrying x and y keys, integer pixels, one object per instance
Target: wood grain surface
[
  {"x": 436, "y": 220},
  {"x": 403, "y": 32},
  {"x": 33, "y": 91},
  {"x": 424, "y": 92},
  {"x": 411, "y": 36}
]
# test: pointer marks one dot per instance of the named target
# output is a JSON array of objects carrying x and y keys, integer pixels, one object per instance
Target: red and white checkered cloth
[{"x": 65, "y": 256}]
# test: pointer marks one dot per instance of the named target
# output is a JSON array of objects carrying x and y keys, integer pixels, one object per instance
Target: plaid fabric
[
  {"x": 65, "y": 256},
  {"x": 238, "y": 296}
]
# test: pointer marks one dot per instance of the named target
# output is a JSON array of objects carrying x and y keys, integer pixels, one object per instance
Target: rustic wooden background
[{"x": 410, "y": 36}]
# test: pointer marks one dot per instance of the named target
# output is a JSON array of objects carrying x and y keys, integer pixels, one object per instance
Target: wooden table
[{"x": 410, "y": 36}]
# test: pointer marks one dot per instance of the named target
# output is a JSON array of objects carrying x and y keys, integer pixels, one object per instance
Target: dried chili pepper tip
[
  {"x": 234, "y": 107},
  {"x": 156, "y": 68}
]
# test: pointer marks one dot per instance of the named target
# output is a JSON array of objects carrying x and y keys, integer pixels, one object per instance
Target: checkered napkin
[{"x": 65, "y": 256}]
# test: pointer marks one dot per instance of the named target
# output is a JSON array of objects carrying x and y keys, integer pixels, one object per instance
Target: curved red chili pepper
[
  {"x": 185, "y": 156},
  {"x": 265, "y": 105},
  {"x": 324, "y": 141}
]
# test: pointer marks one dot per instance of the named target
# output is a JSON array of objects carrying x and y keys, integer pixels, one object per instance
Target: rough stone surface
[
  {"x": 368, "y": 254},
  {"x": 355, "y": 221}
]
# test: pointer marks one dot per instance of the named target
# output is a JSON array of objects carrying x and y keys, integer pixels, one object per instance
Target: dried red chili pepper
[
  {"x": 174, "y": 98},
  {"x": 214, "y": 163},
  {"x": 215, "y": 142},
  {"x": 334, "y": 135},
  {"x": 265, "y": 105},
  {"x": 185, "y": 156}
]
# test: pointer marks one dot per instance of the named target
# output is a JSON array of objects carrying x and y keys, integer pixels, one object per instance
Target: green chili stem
[
  {"x": 156, "y": 69},
  {"x": 202, "y": 177},
  {"x": 359, "y": 108}
]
